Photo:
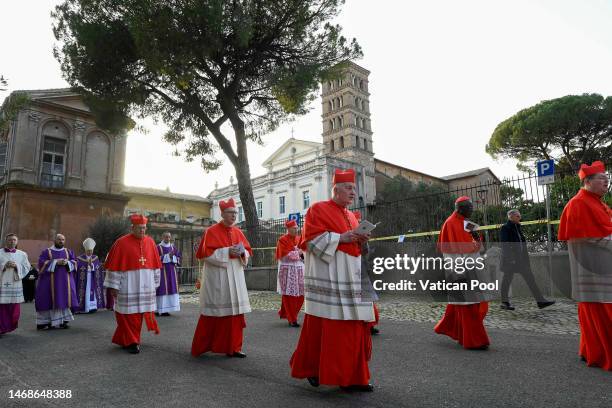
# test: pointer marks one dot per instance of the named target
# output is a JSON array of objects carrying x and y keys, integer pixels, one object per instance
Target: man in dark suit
[
  {"x": 29, "y": 285},
  {"x": 515, "y": 259}
]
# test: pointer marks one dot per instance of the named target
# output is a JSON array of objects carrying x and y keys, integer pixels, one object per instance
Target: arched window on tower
[
  {"x": 356, "y": 120},
  {"x": 364, "y": 124},
  {"x": 363, "y": 106},
  {"x": 342, "y": 142},
  {"x": 338, "y": 105},
  {"x": 357, "y": 142},
  {"x": 331, "y": 124},
  {"x": 332, "y": 146},
  {"x": 361, "y": 84},
  {"x": 341, "y": 100},
  {"x": 355, "y": 81},
  {"x": 341, "y": 120},
  {"x": 330, "y": 105},
  {"x": 365, "y": 144}
]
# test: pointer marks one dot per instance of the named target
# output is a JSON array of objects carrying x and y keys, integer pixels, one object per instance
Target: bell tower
[{"x": 347, "y": 127}]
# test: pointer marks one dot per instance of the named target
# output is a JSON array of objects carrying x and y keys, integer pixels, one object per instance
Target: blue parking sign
[
  {"x": 545, "y": 170},
  {"x": 294, "y": 217}
]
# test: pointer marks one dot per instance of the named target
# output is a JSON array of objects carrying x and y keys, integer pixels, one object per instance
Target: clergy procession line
[{"x": 322, "y": 268}]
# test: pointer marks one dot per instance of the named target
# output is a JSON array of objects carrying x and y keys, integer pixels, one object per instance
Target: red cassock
[
  {"x": 463, "y": 323},
  {"x": 335, "y": 351},
  {"x": 125, "y": 256},
  {"x": 586, "y": 216},
  {"x": 219, "y": 334},
  {"x": 290, "y": 305}
]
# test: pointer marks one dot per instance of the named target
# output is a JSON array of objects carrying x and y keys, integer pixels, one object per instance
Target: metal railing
[
  {"x": 423, "y": 212},
  {"x": 188, "y": 275}
]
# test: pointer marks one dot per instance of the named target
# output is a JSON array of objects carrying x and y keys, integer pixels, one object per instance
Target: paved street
[
  {"x": 558, "y": 319},
  {"x": 526, "y": 366}
]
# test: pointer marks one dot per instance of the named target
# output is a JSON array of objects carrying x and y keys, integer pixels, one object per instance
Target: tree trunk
[{"x": 245, "y": 189}]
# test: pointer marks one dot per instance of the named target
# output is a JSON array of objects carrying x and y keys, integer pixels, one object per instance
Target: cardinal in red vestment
[
  {"x": 132, "y": 276},
  {"x": 586, "y": 225},
  {"x": 335, "y": 344},
  {"x": 290, "y": 277},
  {"x": 223, "y": 293},
  {"x": 462, "y": 321}
]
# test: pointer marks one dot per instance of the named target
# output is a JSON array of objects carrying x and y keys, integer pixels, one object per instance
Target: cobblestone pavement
[{"x": 560, "y": 318}]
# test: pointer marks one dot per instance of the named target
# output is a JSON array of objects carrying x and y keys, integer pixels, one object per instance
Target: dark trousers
[{"x": 529, "y": 279}]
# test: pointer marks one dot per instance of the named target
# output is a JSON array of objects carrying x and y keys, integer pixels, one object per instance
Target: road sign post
[{"x": 545, "y": 170}]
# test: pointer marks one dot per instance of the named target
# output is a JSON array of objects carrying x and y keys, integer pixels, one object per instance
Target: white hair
[{"x": 513, "y": 211}]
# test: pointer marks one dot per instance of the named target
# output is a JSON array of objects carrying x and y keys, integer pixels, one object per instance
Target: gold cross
[{"x": 142, "y": 260}]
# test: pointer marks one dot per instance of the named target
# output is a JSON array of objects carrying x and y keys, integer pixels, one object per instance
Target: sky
[{"x": 444, "y": 73}]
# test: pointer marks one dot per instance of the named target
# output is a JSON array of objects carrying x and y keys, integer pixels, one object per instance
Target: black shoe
[
  {"x": 506, "y": 306},
  {"x": 359, "y": 388},
  {"x": 294, "y": 324},
  {"x": 64, "y": 325},
  {"x": 133, "y": 348},
  {"x": 483, "y": 347},
  {"x": 237, "y": 354},
  {"x": 92, "y": 311},
  {"x": 544, "y": 304},
  {"x": 314, "y": 381},
  {"x": 43, "y": 326},
  {"x": 374, "y": 331},
  {"x": 582, "y": 358},
  {"x": 165, "y": 314}
]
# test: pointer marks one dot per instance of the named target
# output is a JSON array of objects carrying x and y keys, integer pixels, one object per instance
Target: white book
[
  {"x": 365, "y": 227},
  {"x": 240, "y": 247},
  {"x": 470, "y": 226}
]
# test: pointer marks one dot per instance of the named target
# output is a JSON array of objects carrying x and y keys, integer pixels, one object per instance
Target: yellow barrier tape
[{"x": 430, "y": 233}]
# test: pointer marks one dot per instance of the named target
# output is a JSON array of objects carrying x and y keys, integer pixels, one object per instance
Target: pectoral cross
[
  {"x": 142, "y": 260},
  {"x": 6, "y": 285}
]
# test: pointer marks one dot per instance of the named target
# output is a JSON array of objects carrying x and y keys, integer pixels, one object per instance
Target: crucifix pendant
[{"x": 142, "y": 260}]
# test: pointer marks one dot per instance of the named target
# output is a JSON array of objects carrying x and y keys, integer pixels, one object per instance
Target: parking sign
[
  {"x": 545, "y": 170},
  {"x": 294, "y": 217}
]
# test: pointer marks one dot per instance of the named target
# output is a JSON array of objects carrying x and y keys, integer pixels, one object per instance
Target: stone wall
[{"x": 37, "y": 214}]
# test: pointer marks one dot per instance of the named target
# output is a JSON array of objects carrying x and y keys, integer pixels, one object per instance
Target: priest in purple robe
[
  {"x": 89, "y": 280},
  {"x": 56, "y": 289},
  {"x": 167, "y": 292}
]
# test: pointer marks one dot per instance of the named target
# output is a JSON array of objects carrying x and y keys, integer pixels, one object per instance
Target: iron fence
[
  {"x": 188, "y": 275},
  {"x": 419, "y": 214}
]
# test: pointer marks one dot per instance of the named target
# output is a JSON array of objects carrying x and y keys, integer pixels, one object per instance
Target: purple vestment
[
  {"x": 85, "y": 267},
  {"x": 56, "y": 287},
  {"x": 171, "y": 259}
]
